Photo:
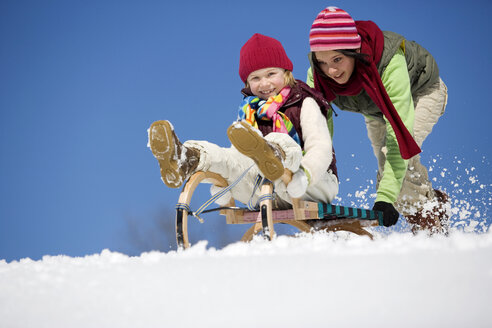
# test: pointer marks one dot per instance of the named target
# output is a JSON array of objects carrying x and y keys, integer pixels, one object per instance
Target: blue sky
[{"x": 81, "y": 81}]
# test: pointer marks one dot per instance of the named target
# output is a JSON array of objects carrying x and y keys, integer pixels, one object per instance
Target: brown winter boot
[
  {"x": 176, "y": 161},
  {"x": 434, "y": 220},
  {"x": 266, "y": 155}
]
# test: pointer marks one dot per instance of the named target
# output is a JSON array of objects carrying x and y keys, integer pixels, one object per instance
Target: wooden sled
[{"x": 335, "y": 218}]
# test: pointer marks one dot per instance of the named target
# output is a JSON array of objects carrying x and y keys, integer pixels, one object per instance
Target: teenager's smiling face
[
  {"x": 336, "y": 65},
  {"x": 266, "y": 82}
]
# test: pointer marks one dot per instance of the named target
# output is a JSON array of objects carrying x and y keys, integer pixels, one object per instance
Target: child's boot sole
[
  {"x": 163, "y": 146},
  {"x": 248, "y": 142}
]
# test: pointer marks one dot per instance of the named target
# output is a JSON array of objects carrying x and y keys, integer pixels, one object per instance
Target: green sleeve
[
  {"x": 310, "y": 79},
  {"x": 397, "y": 83},
  {"x": 329, "y": 114}
]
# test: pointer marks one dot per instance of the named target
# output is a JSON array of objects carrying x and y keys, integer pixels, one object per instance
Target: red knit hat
[
  {"x": 259, "y": 52},
  {"x": 333, "y": 29}
]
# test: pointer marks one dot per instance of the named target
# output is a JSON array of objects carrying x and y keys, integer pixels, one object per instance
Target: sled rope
[
  {"x": 258, "y": 181},
  {"x": 217, "y": 195}
]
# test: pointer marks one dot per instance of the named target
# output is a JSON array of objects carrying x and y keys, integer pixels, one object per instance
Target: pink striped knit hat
[{"x": 333, "y": 29}]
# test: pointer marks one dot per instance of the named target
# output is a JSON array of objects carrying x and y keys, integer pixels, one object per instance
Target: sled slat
[
  {"x": 277, "y": 215},
  {"x": 330, "y": 211},
  {"x": 310, "y": 211}
]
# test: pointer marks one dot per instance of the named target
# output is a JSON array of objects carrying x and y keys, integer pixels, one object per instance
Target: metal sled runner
[{"x": 335, "y": 218}]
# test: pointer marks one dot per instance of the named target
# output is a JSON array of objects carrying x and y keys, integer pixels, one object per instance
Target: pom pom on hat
[
  {"x": 333, "y": 29},
  {"x": 259, "y": 52}
]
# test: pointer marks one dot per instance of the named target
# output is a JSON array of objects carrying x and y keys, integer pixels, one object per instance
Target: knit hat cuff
[{"x": 263, "y": 58}]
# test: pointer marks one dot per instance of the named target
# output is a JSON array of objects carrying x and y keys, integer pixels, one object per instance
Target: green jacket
[{"x": 405, "y": 69}]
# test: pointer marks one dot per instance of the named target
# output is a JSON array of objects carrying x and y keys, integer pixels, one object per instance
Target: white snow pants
[
  {"x": 230, "y": 164},
  {"x": 416, "y": 188}
]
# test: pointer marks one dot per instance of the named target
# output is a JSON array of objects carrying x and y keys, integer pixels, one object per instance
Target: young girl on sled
[{"x": 280, "y": 119}]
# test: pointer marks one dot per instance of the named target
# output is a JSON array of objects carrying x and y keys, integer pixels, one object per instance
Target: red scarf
[{"x": 367, "y": 78}]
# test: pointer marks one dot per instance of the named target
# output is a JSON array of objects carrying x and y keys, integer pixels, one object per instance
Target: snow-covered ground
[
  {"x": 319, "y": 280},
  {"x": 322, "y": 280}
]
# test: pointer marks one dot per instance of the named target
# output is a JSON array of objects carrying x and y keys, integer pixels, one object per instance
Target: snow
[{"x": 320, "y": 280}]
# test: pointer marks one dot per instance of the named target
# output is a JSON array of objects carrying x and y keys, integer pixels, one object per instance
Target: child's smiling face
[
  {"x": 266, "y": 82},
  {"x": 336, "y": 65}
]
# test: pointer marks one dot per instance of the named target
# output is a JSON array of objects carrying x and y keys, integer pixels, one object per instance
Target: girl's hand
[{"x": 298, "y": 185}]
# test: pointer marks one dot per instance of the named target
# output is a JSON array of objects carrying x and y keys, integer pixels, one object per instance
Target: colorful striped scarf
[{"x": 253, "y": 108}]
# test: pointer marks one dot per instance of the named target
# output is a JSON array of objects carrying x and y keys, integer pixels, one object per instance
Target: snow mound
[{"x": 319, "y": 280}]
